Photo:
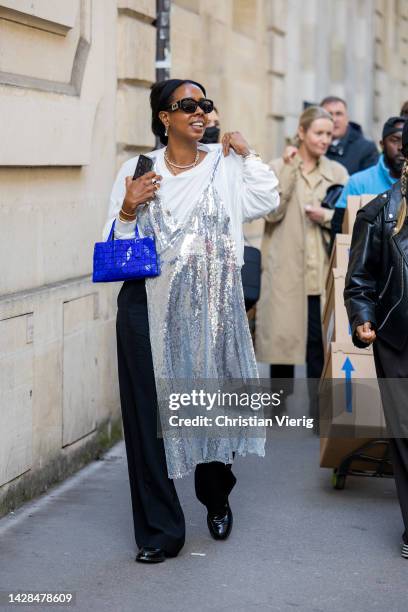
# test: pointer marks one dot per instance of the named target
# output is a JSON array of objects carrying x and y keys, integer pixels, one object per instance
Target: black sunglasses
[{"x": 189, "y": 105}]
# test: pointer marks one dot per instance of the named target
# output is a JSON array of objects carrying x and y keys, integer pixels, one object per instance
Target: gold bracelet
[
  {"x": 126, "y": 220},
  {"x": 130, "y": 215},
  {"x": 252, "y": 155}
]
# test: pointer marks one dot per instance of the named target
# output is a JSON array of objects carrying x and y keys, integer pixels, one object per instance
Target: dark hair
[
  {"x": 404, "y": 109},
  {"x": 331, "y": 99},
  {"x": 160, "y": 99},
  {"x": 391, "y": 126}
]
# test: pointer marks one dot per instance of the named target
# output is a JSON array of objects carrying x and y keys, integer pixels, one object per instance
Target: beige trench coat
[{"x": 281, "y": 313}]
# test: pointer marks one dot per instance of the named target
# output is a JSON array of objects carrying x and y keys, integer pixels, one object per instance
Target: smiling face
[
  {"x": 317, "y": 138},
  {"x": 181, "y": 125}
]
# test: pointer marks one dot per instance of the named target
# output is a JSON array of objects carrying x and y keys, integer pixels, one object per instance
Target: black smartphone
[{"x": 144, "y": 164}]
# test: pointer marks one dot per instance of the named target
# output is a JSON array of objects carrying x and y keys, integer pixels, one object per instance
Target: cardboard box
[
  {"x": 350, "y": 403},
  {"x": 351, "y": 413},
  {"x": 340, "y": 254},
  {"x": 354, "y": 203},
  {"x": 335, "y": 324}
]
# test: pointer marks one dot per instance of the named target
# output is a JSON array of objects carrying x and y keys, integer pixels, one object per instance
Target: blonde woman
[
  {"x": 294, "y": 257},
  {"x": 376, "y": 299}
]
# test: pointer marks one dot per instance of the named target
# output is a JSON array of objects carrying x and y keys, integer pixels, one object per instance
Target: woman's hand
[
  {"x": 140, "y": 191},
  {"x": 235, "y": 141},
  {"x": 315, "y": 213},
  {"x": 365, "y": 333},
  {"x": 289, "y": 153}
]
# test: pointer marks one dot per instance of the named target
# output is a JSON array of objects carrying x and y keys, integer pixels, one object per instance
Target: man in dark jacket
[{"x": 349, "y": 147}]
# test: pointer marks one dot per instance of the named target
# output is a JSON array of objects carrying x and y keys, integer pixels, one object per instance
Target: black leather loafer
[
  {"x": 220, "y": 525},
  {"x": 150, "y": 555}
]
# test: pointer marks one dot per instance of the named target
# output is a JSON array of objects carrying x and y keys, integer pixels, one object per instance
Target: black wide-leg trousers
[
  {"x": 393, "y": 364},
  {"x": 157, "y": 514}
]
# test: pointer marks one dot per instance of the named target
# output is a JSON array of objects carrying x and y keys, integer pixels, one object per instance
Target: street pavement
[{"x": 297, "y": 544}]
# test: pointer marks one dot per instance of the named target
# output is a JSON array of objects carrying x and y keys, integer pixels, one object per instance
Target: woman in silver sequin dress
[{"x": 189, "y": 322}]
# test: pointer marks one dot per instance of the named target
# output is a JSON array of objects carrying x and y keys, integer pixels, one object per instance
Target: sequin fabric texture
[{"x": 198, "y": 324}]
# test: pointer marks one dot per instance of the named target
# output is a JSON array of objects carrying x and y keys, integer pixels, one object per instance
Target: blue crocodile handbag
[{"x": 119, "y": 260}]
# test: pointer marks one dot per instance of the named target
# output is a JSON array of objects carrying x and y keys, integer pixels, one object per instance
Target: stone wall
[
  {"x": 136, "y": 50},
  {"x": 356, "y": 49},
  {"x": 223, "y": 45},
  {"x": 74, "y": 80},
  {"x": 261, "y": 60},
  {"x": 391, "y": 59}
]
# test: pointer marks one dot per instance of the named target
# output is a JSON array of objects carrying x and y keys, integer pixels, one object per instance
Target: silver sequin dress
[{"x": 197, "y": 320}]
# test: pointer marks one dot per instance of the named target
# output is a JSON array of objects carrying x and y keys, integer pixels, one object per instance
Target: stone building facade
[
  {"x": 262, "y": 59},
  {"x": 74, "y": 84},
  {"x": 74, "y": 87}
]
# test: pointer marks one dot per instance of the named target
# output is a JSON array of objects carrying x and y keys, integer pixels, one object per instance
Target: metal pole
[{"x": 163, "y": 57}]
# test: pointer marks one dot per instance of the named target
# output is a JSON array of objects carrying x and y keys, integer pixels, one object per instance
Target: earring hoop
[{"x": 166, "y": 130}]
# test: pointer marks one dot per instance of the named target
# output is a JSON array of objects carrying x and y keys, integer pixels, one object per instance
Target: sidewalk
[{"x": 297, "y": 544}]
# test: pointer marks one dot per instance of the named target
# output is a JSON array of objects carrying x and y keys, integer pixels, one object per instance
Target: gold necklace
[
  {"x": 197, "y": 157},
  {"x": 170, "y": 169}
]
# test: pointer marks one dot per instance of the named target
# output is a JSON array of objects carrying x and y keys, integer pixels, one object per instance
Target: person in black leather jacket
[{"x": 376, "y": 299}]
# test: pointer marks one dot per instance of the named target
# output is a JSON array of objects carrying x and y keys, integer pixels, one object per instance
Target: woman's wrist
[
  {"x": 244, "y": 152},
  {"x": 128, "y": 210},
  {"x": 251, "y": 154},
  {"x": 127, "y": 213},
  {"x": 125, "y": 218}
]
